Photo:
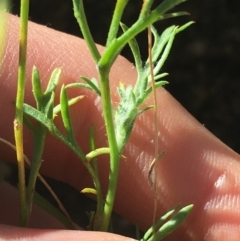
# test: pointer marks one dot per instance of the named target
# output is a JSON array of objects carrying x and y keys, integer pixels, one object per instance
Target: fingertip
[{"x": 16, "y": 233}]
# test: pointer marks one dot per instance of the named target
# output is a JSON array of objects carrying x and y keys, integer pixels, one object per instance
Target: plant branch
[
  {"x": 82, "y": 21},
  {"x": 18, "y": 121},
  {"x": 114, "y": 152},
  {"x": 142, "y": 23},
  {"x": 118, "y": 12}
]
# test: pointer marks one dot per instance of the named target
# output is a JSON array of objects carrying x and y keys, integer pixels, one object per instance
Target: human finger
[{"x": 191, "y": 171}]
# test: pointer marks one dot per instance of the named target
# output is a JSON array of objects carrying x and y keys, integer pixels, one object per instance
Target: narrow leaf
[
  {"x": 36, "y": 114},
  {"x": 97, "y": 152},
  {"x": 54, "y": 80},
  {"x": 157, "y": 85},
  {"x": 163, "y": 219},
  {"x": 93, "y": 84},
  {"x": 172, "y": 224},
  {"x": 160, "y": 41},
  {"x": 180, "y": 29},
  {"x": 90, "y": 84},
  {"x": 165, "y": 6},
  {"x": 65, "y": 113},
  {"x": 36, "y": 83},
  {"x": 135, "y": 51},
  {"x": 173, "y": 15},
  {"x": 169, "y": 40},
  {"x": 71, "y": 102}
]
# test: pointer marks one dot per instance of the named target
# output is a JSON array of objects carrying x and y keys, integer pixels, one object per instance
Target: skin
[{"x": 198, "y": 168}]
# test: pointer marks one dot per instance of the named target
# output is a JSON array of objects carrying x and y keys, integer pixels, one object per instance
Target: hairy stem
[
  {"x": 114, "y": 152},
  {"x": 115, "y": 23}
]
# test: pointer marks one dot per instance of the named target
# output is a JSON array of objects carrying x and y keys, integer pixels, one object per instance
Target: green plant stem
[
  {"x": 155, "y": 122},
  {"x": 115, "y": 23},
  {"x": 104, "y": 66},
  {"x": 82, "y": 21},
  {"x": 100, "y": 203},
  {"x": 104, "y": 63},
  {"x": 114, "y": 152},
  {"x": 92, "y": 170},
  {"x": 146, "y": 7},
  {"x": 18, "y": 121}
]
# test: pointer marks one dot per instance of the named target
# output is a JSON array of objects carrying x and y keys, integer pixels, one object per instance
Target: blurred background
[{"x": 204, "y": 64}]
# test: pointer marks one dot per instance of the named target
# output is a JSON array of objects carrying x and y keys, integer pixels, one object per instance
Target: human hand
[{"x": 198, "y": 168}]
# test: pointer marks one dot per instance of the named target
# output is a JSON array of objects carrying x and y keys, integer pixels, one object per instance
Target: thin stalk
[
  {"x": 39, "y": 140},
  {"x": 79, "y": 14},
  {"x": 147, "y": 4},
  {"x": 18, "y": 121},
  {"x": 114, "y": 152},
  {"x": 115, "y": 23},
  {"x": 100, "y": 203},
  {"x": 155, "y": 122}
]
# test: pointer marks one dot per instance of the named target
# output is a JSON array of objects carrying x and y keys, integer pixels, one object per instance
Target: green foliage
[
  {"x": 169, "y": 222},
  {"x": 119, "y": 121},
  {"x": 44, "y": 114}
]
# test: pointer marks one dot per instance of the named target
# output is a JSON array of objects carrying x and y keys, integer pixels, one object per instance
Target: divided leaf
[{"x": 125, "y": 115}]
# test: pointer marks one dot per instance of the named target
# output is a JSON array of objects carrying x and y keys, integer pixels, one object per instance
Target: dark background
[{"x": 204, "y": 64}]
